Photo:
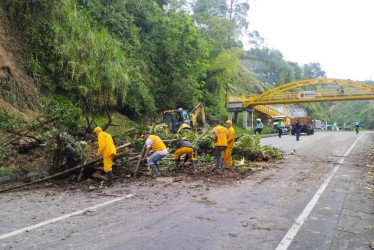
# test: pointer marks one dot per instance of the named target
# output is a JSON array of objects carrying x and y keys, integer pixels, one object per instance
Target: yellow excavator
[{"x": 176, "y": 120}]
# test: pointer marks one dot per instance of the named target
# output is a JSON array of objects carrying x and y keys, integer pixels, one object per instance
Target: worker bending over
[
  {"x": 184, "y": 147},
  {"x": 226, "y": 154},
  {"x": 154, "y": 143},
  {"x": 108, "y": 150}
]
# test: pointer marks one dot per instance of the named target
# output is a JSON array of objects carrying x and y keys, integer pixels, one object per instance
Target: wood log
[
  {"x": 123, "y": 146},
  {"x": 118, "y": 156},
  {"x": 200, "y": 136}
]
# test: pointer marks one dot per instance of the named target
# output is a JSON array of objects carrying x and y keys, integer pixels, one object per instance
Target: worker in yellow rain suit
[
  {"x": 154, "y": 143},
  {"x": 108, "y": 150},
  {"x": 226, "y": 154},
  {"x": 184, "y": 147},
  {"x": 220, "y": 144}
]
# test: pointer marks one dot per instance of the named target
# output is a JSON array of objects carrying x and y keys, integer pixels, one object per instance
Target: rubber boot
[
  {"x": 193, "y": 166},
  {"x": 110, "y": 178},
  {"x": 155, "y": 171},
  {"x": 176, "y": 168}
]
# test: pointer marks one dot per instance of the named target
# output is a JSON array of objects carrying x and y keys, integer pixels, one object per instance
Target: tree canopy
[{"x": 141, "y": 57}]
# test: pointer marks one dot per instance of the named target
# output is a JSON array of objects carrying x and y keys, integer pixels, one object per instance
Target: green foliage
[
  {"x": 63, "y": 150},
  {"x": 317, "y": 111},
  {"x": 349, "y": 112},
  {"x": 93, "y": 62},
  {"x": 313, "y": 70},
  {"x": 191, "y": 135},
  {"x": 34, "y": 19},
  {"x": 221, "y": 23},
  {"x": 271, "y": 68},
  {"x": 272, "y": 152},
  {"x": 65, "y": 116},
  {"x": 10, "y": 121},
  {"x": 224, "y": 69},
  {"x": 248, "y": 147},
  {"x": 206, "y": 145},
  {"x": 142, "y": 57},
  {"x": 10, "y": 171},
  {"x": 205, "y": 157},
  {"x": 182, "y": 61}
]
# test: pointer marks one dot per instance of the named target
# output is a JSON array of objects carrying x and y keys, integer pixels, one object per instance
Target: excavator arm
[{"x": 199, "y": 109}]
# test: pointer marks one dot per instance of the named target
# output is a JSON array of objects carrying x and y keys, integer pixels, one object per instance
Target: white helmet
[{"x": 258, "y": 120}]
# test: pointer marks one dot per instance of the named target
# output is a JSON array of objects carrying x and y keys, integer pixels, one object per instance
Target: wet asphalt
[{"x": 255, "y": 213}]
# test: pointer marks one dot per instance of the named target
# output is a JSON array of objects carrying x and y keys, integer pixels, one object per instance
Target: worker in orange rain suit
[
  {"x": 154, "y": 143},
  {"x": 184, "y": 147},
  {"x": 108, "y": 150},
  {"x": 220, "y": 144},
  {"x": 226, "y": 154}
]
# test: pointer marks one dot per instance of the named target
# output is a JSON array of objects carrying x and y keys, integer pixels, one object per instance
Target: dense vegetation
[{"x": 140, "y": 57}]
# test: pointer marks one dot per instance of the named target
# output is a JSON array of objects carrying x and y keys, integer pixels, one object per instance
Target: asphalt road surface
[{"x": 319, "y": 197}]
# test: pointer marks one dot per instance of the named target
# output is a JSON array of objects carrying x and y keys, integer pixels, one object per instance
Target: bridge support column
[
  {"x": 229, "y": 116},
  {"x": 251, "y": 118},
  {"x": 245, "y": 119},
  {"x": 236, "y": 117}
]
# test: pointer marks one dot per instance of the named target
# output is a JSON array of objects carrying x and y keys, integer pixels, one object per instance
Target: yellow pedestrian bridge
[{"x": 344, "y": 90}]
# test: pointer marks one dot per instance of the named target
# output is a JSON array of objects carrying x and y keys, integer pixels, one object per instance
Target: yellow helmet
[
  {"x": 98, "y": 129},
  {"x": 184, "y": 138}
]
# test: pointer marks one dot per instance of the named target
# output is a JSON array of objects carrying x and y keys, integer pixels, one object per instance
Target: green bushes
[
  {"x": 63, "y": 115},
  {"x": 249, "y": 148}
]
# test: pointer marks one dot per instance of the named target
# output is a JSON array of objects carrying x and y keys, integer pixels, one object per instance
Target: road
[{"x": 319, "y": 197}]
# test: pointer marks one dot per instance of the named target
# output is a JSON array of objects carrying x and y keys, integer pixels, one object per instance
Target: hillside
[
  {"x": 16, "y": 87},
  {"x": 136, "y": 59}
]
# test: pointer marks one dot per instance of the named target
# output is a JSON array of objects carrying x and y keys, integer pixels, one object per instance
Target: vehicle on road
[
  {"x": 306, "y": 125},
  {"x": 286, "y": 126},
  {"x": 317, "y": 124}
]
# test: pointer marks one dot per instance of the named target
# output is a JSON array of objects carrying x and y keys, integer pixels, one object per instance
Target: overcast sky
[{"x": 339, "y": 34}]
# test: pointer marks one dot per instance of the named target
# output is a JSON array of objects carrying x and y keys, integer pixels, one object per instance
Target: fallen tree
[{"x": 92, "y": 162}]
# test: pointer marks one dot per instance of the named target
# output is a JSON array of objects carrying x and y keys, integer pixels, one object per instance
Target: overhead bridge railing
[
  {"x": 311, "y": 96},
  {"x": 304, "y": 96},
  {"x": 267, "y": 111},
  {"x": 281, "y": 94},
  {"x": 264, "y": 110}
]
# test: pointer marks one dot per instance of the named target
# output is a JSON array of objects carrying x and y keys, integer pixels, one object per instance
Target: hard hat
[
  {"x": 184, "y": 138},
  {"x": 228, "y": 122},
  {"x": 145, "y": 133},
  {"x": 98, "y": 129},
  {"x": 258, "y": 120}
]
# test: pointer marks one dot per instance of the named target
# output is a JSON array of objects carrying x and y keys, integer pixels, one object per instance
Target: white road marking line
[
  {"x": 29, "y": 228},
  {"x": 287, "y": 239}
]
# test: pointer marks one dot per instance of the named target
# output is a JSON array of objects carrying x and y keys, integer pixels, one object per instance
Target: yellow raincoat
[
  {"x": 107, "y": 149},
  {"x": 221, "y": 136},
  {"x": 226, "y": 154}
]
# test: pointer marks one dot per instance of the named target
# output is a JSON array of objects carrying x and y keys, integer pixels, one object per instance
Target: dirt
[
  {"x": 34, "y": 161},
  {"x": 15, "y": 84}
]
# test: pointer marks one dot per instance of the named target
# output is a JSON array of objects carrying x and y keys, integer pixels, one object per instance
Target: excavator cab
[{"x": 174, "y": 121}]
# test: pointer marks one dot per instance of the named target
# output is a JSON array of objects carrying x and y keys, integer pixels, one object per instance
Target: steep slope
[{"x": 16, "y": 87}]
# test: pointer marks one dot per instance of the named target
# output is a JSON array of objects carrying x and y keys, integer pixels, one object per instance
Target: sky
[{"x": 339, "y": 34}]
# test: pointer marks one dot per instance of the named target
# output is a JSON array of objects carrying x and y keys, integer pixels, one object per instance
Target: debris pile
[{"x": 41, "y": 145}]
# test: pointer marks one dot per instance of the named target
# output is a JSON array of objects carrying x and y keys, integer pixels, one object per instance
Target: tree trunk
[{"x": 106, "y": 125}]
